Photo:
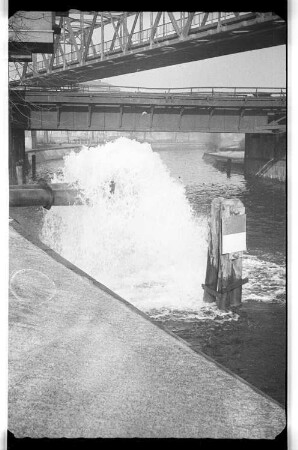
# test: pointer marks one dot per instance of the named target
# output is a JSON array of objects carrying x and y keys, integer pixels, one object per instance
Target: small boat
[{"x": 235, "y": 156}]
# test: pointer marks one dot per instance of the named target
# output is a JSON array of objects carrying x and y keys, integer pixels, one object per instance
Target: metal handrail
[{"x": 255, "y": 92}]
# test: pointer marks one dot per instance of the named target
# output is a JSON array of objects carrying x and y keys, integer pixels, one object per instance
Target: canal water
[{"x": 146, "y": 239}]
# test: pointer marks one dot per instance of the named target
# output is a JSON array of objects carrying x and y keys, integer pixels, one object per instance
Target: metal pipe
[
  {"x": 54, "y": 186},
  {"x": 35, "y": 195}
]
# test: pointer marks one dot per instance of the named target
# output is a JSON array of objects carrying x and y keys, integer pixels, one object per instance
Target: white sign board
[{"x": 233, "y": 234}]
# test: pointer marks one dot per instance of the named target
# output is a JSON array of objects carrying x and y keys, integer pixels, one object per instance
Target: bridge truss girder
[{"x": 99, "y": 44}]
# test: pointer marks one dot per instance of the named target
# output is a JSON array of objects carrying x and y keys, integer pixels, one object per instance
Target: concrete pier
[
  {"x": 85, "y": 363},
  {"x": 262, "y": 148}
]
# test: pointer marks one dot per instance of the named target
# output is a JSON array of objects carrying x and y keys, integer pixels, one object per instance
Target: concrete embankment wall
[
  {"x": 85, "y": 363},
  {"x": 276, "y": 171},
  {"x": 262, "y": 148}
]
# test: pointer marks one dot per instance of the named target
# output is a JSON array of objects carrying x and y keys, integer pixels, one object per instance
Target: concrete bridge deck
[{"x": 85, "y": 363}]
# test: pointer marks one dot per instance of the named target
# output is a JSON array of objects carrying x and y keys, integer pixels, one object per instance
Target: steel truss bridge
[
  {"x": 95, "y": 45},
  {"x": 89, "y": 108}
]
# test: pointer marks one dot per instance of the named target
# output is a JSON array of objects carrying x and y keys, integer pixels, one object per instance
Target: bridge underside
[
  {"x": 258, "y": 115},
  {"x": 129, "y": 112},
  {"x": 132, "y": 118}
]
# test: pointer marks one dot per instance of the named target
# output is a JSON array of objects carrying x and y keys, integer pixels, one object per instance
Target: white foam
[
  {"x": 267, "y": 280},
  {"x": 143, "y": 241}
]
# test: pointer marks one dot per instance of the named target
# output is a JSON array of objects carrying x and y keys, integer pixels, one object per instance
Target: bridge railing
[
  {"x": 200, "y": 91},
  {"x": 258, "y": 92}
]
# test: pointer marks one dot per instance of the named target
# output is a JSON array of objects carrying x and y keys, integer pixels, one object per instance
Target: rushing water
[
  {"x": 142, "y": 238},
  {"x": 146, "y": 238},
  {"x": 265, "y": 204},
  {"x": 148, "y": 242}
]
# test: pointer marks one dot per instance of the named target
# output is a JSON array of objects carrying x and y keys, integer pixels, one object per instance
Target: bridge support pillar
[
  {"x": 31, "y": 139},
  {"x": 17, "y": 156},
  {"x": 262, "y": 148},
  {"x": 34, "y": 138}
]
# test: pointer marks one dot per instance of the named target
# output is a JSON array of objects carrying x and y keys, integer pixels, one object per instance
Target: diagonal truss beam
[
  {"x": 155, "y": 25},
  {"x": 187, "y": 26},
  {"x": 174, "y": 23},
  {"x": 204, "y": 19},
  {"x": 116, "y": 33},
  {"x": 115, "y": 37},
  {"x": 92, "y": 46},
  {"x": 89, "y": 37},
  {"x": 72, "y": 37},
  {"x": 128, "y": 44},
  {"x": 125, "y": 31}
]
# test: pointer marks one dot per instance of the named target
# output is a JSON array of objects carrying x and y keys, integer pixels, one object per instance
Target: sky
[{"x": 257, "y": 68}]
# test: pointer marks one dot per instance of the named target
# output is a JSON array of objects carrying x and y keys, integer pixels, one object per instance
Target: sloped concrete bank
[{"x": 85, "y": 363}]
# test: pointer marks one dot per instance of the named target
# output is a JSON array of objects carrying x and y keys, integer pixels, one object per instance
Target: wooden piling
[
  {"x": 213, "y": 250},
  {"x": 19, "y": 172},
  {"x": 223, "y": 282},
  {"x": 33, "y": 166},
  {"x": 230, "y": 264},
  {"x": 229, "y": 167}
]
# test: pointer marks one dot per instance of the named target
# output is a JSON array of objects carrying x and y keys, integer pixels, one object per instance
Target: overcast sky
[{"x": 257, "y": 68}]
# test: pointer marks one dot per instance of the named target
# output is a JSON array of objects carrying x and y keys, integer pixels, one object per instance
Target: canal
[{"x": 148, "y": 242}]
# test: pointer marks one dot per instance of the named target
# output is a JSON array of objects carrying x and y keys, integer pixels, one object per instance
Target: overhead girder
[
  {"x": 197, "y": 109},
  {"x": 92, "y": 37}
]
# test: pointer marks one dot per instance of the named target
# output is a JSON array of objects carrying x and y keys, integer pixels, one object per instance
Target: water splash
[
  {"x": 137, "y": 234},
  {"x": 141, "y": 237}
]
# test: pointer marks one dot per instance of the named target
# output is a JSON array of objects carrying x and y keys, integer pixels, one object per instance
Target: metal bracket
[{"x": 230, "y": 288}]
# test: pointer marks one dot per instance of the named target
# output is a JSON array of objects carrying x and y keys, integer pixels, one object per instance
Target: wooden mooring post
[
  {"x": 227, "y": 241},
  {"x": 19, "y": 173},
  {"x": 33, "y": 165}
]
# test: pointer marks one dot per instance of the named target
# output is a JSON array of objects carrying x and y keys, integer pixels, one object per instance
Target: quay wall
[{"x": 262, "y": 148}]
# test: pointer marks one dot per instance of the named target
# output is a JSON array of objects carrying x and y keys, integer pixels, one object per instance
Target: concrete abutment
[{"x": 265, "y": 155}]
